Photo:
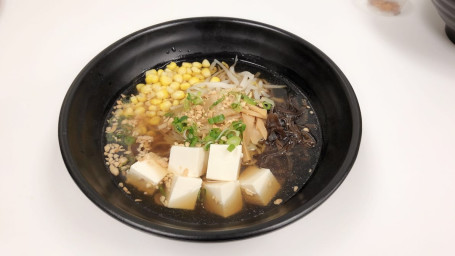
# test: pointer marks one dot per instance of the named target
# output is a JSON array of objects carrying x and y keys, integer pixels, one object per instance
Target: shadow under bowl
[{"x": 94, "y": 91}]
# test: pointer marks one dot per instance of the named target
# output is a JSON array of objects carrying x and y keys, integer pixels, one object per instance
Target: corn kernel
[
  {"x": 193, "y": 80},
  {"x": 160, "y": 113},
  {"x": 139, "y": 104},
  {"x": 215, "y": 79},
  {"x": 150, "y": 113},
  {"x": 119, "y": 112},
  {"x": 155, "y": 120},
  {"x": 174, "y": 85},
  {"x": 171, "y": 65},
  {"x": 165, "y": 80},
  {"x": 206, "y": 72},
  {"x": 186, "y": 77},
  {"x": 141, "y": 97},
  {"x": 184, "y": 86},
  {"x": 139, "y": 86},
  {"x": 156, "y": 87},
  {"x": 155, "y": 101},
  {"x": 165, "y": 106},
  {"x": 225, "y": 64},
  {"x": 146, "y": 89},
  {"x": 197, "y": 64},
  {"x": 141, "y": 129},
  {"x": 178, "y": 78},
  {"x": 151, "y": 79},
  {"x": 196, "y": 70},
  {"x": 151, "y": 133},
  {"x": 160, "y": 71},
  {"x": 152, "y": 108},
  {"x": 178, "y": 95},
  {"x": 186, "y": 65},
  {"x": 176, "y": 102},
  {"x": 129, "y": 111},
  {"x": 181, "y": 70},
  {"x": 133, "y": 99},
  {"x": 154, "y": 78},
  {"x": 189, "y": 71},
  {"x": 200, "y": 77},
  {"x": 140, "y": 110},
  {"x": 150, "y": 72},
  {"x": 163, "y": 94},
  {"x": 170, "y": 90},
  {"x": 205, "y": 63}
]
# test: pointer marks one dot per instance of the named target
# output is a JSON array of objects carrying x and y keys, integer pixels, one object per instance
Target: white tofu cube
[
  {"x": 188, "y": 161},
  {"x": 258, "y": 185},
  {"x": 223, "y": 165},
  {"x": 223, "y": 198},
  {"x": 182, "y": 193},
  {"x": 145, "y": 175}
]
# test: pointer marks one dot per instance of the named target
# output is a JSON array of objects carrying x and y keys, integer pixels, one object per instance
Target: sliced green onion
[
  {"x": 129, "y": 140},
  {"x": 231, "y": 148},
  {"x": 217, "y": 102},
  {"x": 248, "y": 99},
  {"x": 236, "y": 106},
  {"x": 234, "y": 140},
  {"x": 216, "y": 119},
  {"x": 267, "y": 105},
  {"x": 238, "y": 126},
  {"x": 162, "y": 190},
  {"x": 169, "y": 114}
]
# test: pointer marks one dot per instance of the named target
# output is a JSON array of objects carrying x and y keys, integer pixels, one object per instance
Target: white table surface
[{"x": 399, "y": 198}]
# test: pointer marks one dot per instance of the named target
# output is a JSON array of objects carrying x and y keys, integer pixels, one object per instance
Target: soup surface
[{"x": 208, "y": 142}]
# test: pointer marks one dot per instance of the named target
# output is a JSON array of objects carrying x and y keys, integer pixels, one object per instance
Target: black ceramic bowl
[
  {"x": 95, "y": 89},
  {"x": 446, "y": 9}
]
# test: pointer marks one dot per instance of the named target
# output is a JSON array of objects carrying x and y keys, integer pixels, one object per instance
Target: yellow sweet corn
[
  {"x": 184, "y": 86},
  {"x": 193, "y": 80},
  {"x": 186, "y": 77},
  {"x": 181, "y": 70},
  {"x": 178, "y": 95},
  {"x": 206, "y": 72},
  {"x": 139, "y": 86},
  {"x": 155, "y": 120},
  {"x": 165, "y": 80},
  {"x": 172, "y": 65},
  {"x": 165, "y": 106},
  {"x": 215, "y": 79},
  {"x": 162, "y": 94},
  {"x": 174, "y": 85},
  {"x": 205, "y": 63},
  {"x": 178, "y": 78}
]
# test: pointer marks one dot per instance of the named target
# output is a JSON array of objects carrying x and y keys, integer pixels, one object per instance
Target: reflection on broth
[{"x": 203, "y": 142}]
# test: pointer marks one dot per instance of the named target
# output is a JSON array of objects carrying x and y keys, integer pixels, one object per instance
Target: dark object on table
[
  {"x": 446, "y": 9},
  {"x": 95, "y": 89}
]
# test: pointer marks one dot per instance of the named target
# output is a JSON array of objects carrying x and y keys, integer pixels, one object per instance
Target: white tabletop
[{"x": 399, "y": 198}]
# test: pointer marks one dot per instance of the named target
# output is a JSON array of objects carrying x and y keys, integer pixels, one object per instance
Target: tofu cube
[
  {"x": 183, "y": 192},
  {"x": 223, "y": 198},
  {"x": 258, "y": 185},
  {"x": 188, "y": 161},
  {"x": 223, "y": 165},
  {"x": 145, "y": 175}
]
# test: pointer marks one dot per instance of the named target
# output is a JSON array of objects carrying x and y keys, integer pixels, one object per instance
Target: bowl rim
[{"x": 218, "y": 235}]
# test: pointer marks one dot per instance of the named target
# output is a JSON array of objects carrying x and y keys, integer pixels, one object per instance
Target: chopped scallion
[
  {"x": 216, "y": 119},
  {"x": 248, "y": 99},
  {"x": 217, "y": 102}
]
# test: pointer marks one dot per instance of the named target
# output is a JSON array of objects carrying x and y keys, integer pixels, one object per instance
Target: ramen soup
[{"x": 208, "y": 139}]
